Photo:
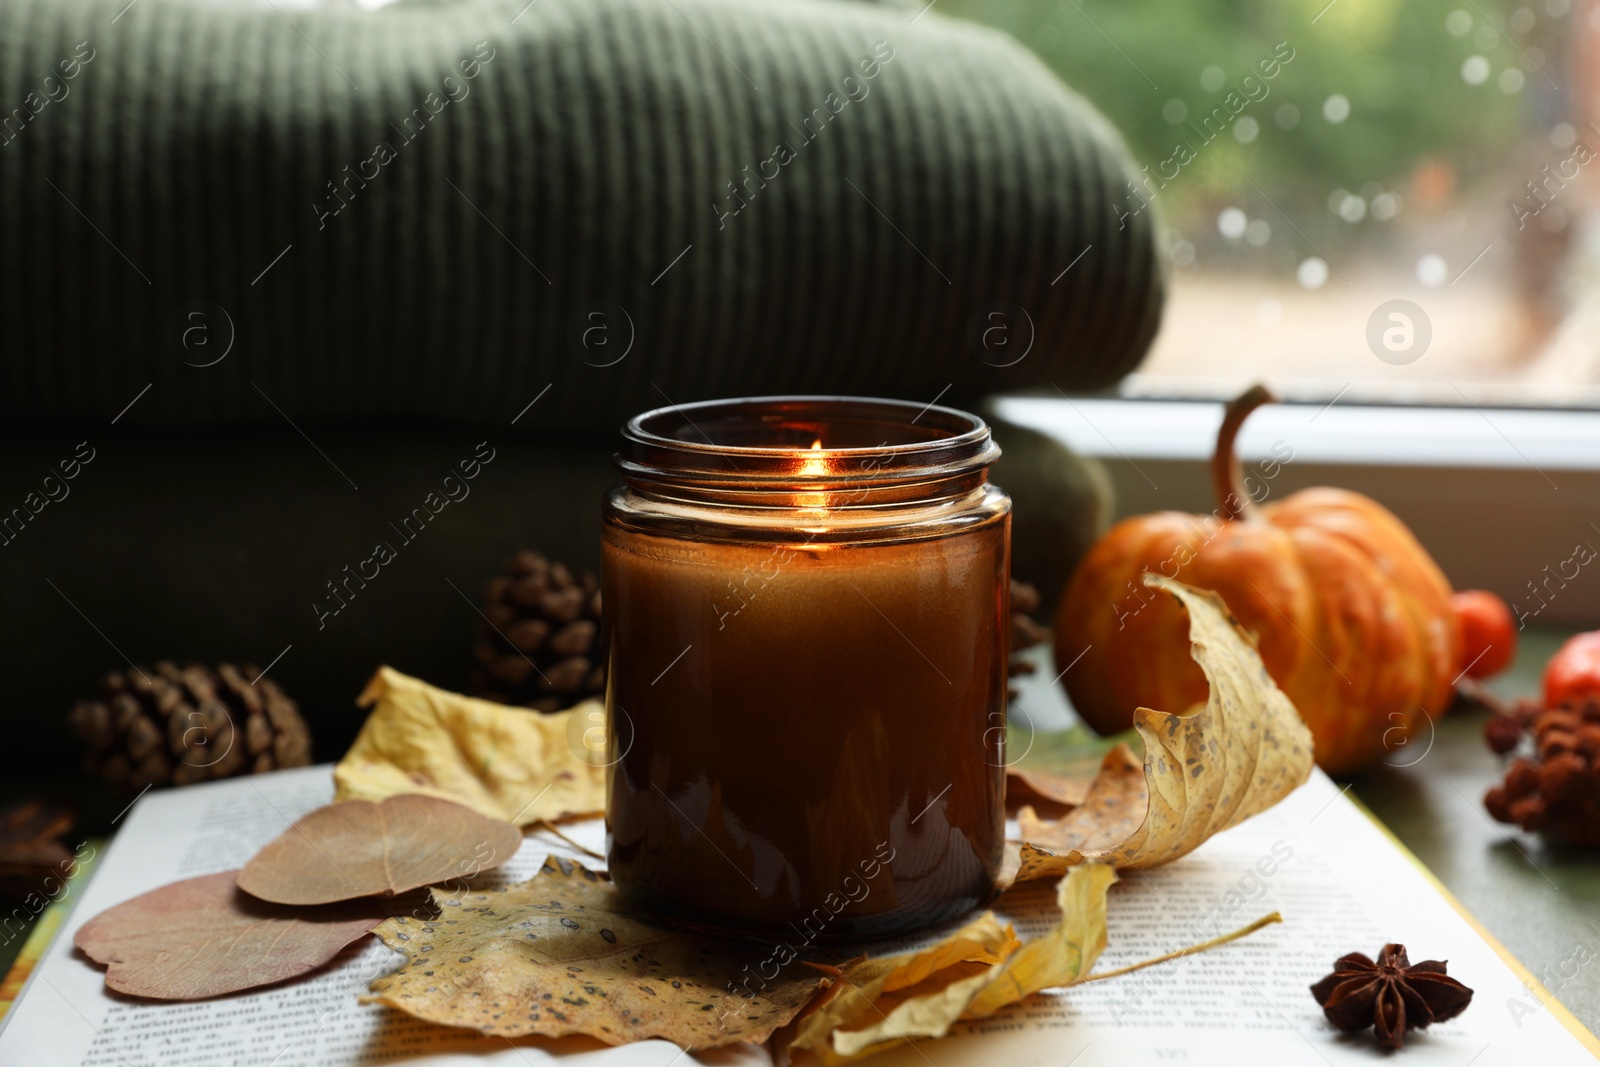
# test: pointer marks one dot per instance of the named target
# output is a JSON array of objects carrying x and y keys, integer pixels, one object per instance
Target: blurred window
[{"x": 1389, "y": 201}]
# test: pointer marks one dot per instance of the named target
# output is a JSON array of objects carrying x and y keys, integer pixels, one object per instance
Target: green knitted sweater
[{"x": 443, "y": 211}]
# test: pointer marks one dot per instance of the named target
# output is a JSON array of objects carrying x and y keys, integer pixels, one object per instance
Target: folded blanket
[{"x": 442, "y": 211}]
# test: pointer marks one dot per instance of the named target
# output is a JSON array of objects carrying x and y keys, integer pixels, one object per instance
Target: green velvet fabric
[{"x": 417, "y": 213}]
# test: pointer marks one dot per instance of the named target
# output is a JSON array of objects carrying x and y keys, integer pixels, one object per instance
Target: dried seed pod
[
  {"x": 178, "y": 725},
  {"x": 1503, "y": 733},
  {"x": 1558, "y": 792},
  {"x": 542, "y": 646},
  {"x": 1554, "y": 742},
  {"x": 566, "y": 676}
]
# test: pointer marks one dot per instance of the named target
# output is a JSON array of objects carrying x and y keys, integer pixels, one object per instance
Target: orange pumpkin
[{"x": 1352, "y": 615}]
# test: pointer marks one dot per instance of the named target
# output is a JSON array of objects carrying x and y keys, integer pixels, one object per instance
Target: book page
[
  {"x": 1341, "y": 885},
  {"x": 66, "y": 1018},
  {"x": 1339, "y": 882}
]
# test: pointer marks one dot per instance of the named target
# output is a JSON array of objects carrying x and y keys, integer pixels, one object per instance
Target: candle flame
[{"x": 814, "y": 464}]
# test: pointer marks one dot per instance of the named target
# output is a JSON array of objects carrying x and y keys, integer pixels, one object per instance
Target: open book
[{"x": 1340, "y": 881}]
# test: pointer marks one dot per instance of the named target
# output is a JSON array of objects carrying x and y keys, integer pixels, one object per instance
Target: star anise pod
[{"x": 1392, "y": 995}]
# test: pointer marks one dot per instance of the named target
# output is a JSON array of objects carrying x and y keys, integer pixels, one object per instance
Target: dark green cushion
[
  {"x": 220, "y": 546},
  {"x": 183, "y": 169},
  {"x": 586, "y": 167}
]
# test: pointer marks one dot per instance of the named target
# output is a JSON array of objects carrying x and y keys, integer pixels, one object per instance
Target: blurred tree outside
[
  {"x": 1395, "y": 141},
  {"x": 1154, "y": 67}
]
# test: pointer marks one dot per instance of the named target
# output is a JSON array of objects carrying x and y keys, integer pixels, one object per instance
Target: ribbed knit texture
[{"x": 585, "y": 159}]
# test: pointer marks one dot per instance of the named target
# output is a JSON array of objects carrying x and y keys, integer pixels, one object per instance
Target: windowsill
[
  {"x": 1546, "y": 383},
  {"x": 1503, "y": 498},
  {"x": 1341, "y": 432}
]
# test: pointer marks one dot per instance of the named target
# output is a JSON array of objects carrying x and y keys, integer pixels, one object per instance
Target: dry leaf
[
  {"x": 971, "y": 974},
  {"x": 356, "y": 848},
  {"x": 203, "y": 937},
  {"x": 1109, "y": 816},
  {"x": 1062, "y": 957},
  {"x": 31, "y": 850},
  {"x": 1038, "y": 788},
  {"x": 1206, "y": 770},
  {"x": 560, "y": 955},
  {"x": 865, "y": 998},
  {"x": 507, "y": 763},
  {"x": 925, "y": 1011},
  {"x": 1191, "y": 950}
]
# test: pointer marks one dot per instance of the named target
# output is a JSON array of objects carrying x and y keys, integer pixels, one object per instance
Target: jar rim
[{"x": 856, "y": 439}]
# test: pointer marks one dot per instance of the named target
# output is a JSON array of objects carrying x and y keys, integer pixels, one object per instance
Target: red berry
[
  {"x": 1573, "y": 674},
  {"x": 1488, "y": 633}
]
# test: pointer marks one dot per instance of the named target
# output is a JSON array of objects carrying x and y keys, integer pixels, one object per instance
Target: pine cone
[
  {"x": 178, "y": 725},
  {"x": 542, "y": 646},
  {"x": 1025, "y": 633}
]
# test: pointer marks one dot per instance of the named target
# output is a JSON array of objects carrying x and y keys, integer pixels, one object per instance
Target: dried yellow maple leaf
[
  {"x": 1108, "y": 816},
  {"x": 972, "y": 973},
  {"x": 924, "y": 1011},
  {"x": 1205, "y": 770},
  {"x": 508, "y": 763},
  {"x": 1045, "y": 789},
  {"x": 898, "y": 989},
  {"x": 1062, "y": 957},
  {"x": 560, "y": 954}
]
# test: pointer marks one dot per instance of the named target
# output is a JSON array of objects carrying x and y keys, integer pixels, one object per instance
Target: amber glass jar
[{"x": 807, "y": 600}]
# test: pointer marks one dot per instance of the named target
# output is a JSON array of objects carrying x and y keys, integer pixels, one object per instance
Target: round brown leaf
[
  {"x": 202, "y": 937},
  {"x": 358, "y": 848},
  {"x": 1108, "y": 816}
]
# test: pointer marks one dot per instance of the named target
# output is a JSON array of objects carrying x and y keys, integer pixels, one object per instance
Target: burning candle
[{"x": 807, "y": 601}]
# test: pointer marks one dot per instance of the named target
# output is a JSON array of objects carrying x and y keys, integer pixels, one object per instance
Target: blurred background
[{"x": 1437, "y": 151}]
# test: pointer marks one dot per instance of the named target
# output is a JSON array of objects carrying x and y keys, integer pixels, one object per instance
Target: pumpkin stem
[{"x": 1227, "y": 473}]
